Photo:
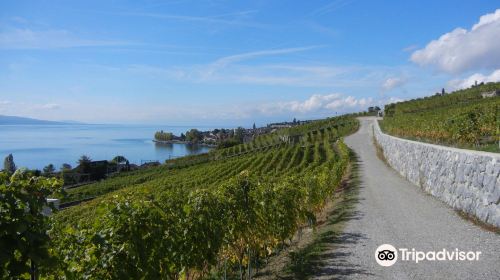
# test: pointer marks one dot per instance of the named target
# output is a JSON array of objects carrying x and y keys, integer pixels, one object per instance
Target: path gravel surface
[{"x": 393, "y": 211}]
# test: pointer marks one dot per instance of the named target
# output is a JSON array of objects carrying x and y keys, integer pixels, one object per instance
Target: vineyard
[
  {"x": 262, "y": 144},
  {"x": 218, "y": 215},
  {"x": 462, "y": 119}
]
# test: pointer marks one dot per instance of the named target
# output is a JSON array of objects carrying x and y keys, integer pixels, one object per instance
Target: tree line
[{"x": 86, "y": 169}]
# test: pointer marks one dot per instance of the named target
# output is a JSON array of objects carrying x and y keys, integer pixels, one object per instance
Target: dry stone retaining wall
[{"x": 466, "y": 180}]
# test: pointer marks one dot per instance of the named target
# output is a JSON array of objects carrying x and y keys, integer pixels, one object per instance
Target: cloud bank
[
  {"x": 392, "y": 83},
  {"x": 472, "y": 79},
  {"x": 316, "y": 103},
  {"x": 464, "y": 50}
]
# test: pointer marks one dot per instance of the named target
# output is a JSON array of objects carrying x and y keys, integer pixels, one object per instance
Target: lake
[{"x": 35, "y": 146}]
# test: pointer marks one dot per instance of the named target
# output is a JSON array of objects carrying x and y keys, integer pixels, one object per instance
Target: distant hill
[{"x": 12, "y": 120}]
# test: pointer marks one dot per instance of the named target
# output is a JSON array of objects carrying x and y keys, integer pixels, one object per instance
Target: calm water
[{"x": 35, "y": 146}]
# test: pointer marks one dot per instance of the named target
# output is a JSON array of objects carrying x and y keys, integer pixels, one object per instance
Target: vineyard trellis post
[{"x": 33, "y": 275}]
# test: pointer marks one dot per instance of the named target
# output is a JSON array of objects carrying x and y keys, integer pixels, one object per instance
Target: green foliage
[
  {"x": 23, "y": 227},
  {"x": 49, "y": 170},
  {"x": 239, "y": 133},
  {"x": 119, "y": 160},
  {"x": 228, "y": 143},
  {"x": 220, "y": 164},
  {"x": 8, "y": 164},
  {"x": 65, "y": 167},
  {"x": 164, "y": 136},
  {"x": 84, "y": 164},
  {"x": 185, "y": 221},
  {"x": 193, "y": 135},
  {"x": 462, "y": 118}
]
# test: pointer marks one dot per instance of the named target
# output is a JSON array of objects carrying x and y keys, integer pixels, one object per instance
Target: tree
[
  {"x": 193, "y": 135},
  {"x": 239, "y": 134},
  {"x": 8, "y": 164},
  {"x": 66, "y": 167},
  {"x": 49, "y": 170},
  {"x": 119, "y": 160},
  {"x": 443, "y": 92},
  {"x": 390, "y": 110},
  {"x": 67, "y": 174},
  {"x": 84, "y": 159},
  {"x": 23, "y": 227},
  {"x": 84, "y": 164},
  {"x": 164, "y": 136}
]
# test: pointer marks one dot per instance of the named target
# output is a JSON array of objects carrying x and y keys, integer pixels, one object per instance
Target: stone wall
[{"x": 466, "y": 180}]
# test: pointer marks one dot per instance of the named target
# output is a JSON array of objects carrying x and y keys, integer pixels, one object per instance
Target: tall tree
[
  {"x": 84, "y": 164},
  {"x": 49, "y": 170},
  {"x": 8, "y": 164},
  {"x": 65, "y": 167}
]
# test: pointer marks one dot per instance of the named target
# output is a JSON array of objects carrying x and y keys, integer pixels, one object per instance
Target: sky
[{"x": 211, "y": 62}]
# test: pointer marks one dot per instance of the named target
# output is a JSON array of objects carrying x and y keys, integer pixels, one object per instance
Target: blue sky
[{"x": 236, "y": 62}]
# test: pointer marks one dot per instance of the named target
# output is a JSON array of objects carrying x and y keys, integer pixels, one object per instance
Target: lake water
[{"x": 35, "y": 146}]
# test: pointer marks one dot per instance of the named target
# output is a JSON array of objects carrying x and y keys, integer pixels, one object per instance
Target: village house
[{"x": 493, "y": 93}]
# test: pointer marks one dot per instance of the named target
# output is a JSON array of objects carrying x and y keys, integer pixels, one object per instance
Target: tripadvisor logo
[{"x": 387, "y": 255}]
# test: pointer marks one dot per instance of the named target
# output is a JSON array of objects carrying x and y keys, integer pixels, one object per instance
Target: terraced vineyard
[
  {"x": 214, "y": 215},
  {"x": 463, "y": 119},
  {"x": 262, "y": 144}
]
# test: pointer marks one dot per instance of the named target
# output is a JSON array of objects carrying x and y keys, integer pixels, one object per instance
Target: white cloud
[
  {"x": 244, "y": 56},
  {"x": 487, "y": 19},
  {"x": 292, "y": 74},
  {"x": 221, "y": 63},
  {"x": 4, "y": 104},
  {"x": 25, "y": 38},
  {"x": 392, "y": 83},
  {"x": 331, "y": 7},
  {"x": 393, "y": 100},
  {"x": 471, "y": 80},
  {"x": 316, "y": 103},
  {"x": 241, "y": 18},
  {"x": 49, "y": 106},
  {"x": 464, "y": 50},
  {"x": 410, "y": 48}
]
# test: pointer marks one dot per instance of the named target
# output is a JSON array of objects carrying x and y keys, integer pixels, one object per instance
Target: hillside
[
  {"x": 462, "y": 119},
  {"x": 13, "y": 120},
  {"x": 204, "y": 214}
]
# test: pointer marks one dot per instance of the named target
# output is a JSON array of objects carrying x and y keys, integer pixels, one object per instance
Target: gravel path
[{"x": 391, "y": 210}]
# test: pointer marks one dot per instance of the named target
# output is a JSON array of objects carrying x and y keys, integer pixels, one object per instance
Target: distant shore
[{"x": 184, "y": 142}]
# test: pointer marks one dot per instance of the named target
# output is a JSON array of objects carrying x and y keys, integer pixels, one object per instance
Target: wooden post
[{"x": 33, "y": 270}]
